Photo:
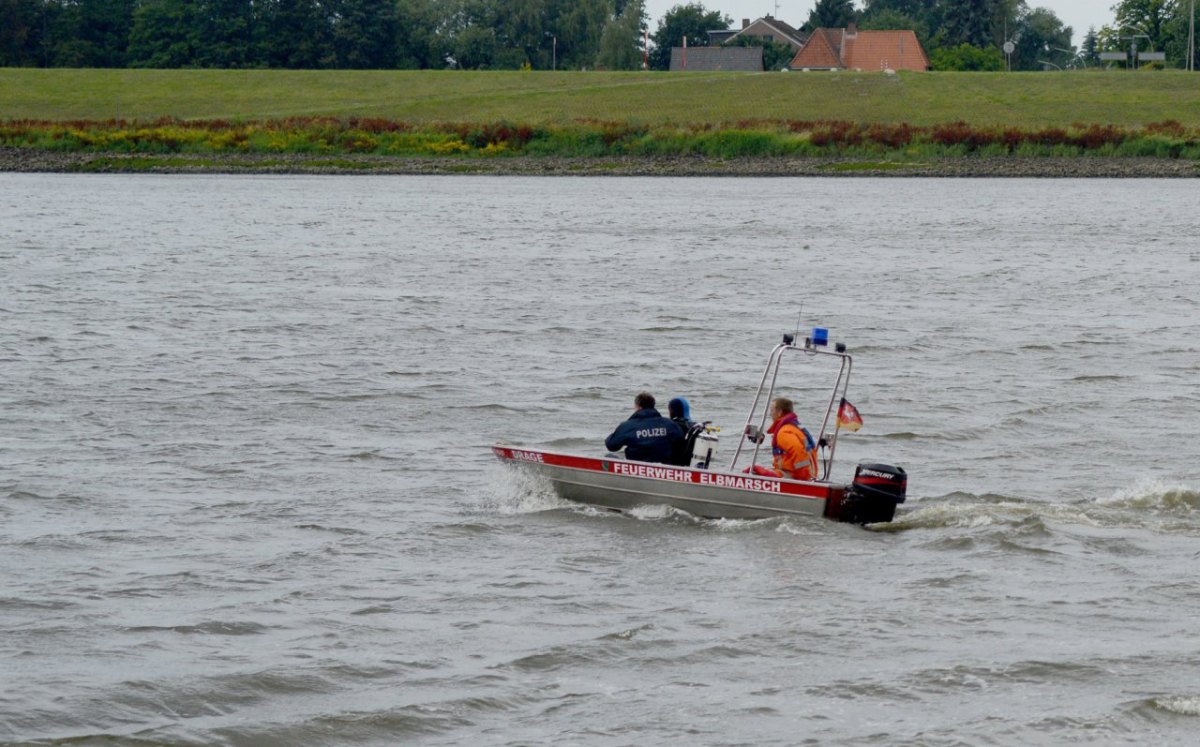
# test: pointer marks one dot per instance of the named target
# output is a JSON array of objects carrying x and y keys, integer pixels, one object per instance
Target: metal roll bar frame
[{"x": 769, "y": 378}]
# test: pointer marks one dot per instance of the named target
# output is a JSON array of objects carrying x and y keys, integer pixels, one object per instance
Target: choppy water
[{"x": 246, "y": 499}]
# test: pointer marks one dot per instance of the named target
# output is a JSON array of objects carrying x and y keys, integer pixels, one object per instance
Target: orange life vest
[{"x": 795, "y": 452}]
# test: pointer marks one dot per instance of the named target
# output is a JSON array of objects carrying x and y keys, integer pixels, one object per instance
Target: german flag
[{"x": 848, "y": 417}]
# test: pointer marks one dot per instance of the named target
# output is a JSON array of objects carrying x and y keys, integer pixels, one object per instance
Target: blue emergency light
[{"x": 820, "y": 337}]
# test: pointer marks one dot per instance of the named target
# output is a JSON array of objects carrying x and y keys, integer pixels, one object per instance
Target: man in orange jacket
[{"x": 792, "y": 446}]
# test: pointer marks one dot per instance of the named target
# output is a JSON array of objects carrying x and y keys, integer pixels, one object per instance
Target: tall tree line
[
  {"x": 318, "y": 34},
  {"x": 978, "y": 23},
  {"x": 511, "y": 34}
]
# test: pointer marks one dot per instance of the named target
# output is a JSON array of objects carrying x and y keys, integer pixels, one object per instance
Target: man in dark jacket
[{"x": 646, "y": 435}]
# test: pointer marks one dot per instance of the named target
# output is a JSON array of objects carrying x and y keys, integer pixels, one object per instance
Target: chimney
[
  {"x": 852, "y": 29},
  {"x": 745, "y": 22}
]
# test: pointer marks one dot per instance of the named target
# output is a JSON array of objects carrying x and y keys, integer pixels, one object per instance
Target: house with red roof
[{"x": 867, "y": 51}]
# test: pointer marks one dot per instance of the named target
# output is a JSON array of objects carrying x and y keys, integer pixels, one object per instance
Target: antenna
[{"x": 799, "y": 316}]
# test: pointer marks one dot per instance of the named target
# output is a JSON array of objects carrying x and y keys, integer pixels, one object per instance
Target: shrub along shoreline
[{"x": 748, "y": 147}]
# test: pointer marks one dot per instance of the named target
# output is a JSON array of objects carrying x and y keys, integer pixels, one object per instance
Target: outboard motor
[{"x": 873, "y": 496}]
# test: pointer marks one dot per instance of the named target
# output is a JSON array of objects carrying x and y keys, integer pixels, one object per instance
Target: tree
[
  {"x": 1175, "y": 35},
  {"x": 1163, "y": 21},
  {"x": 1089, "y": 53},
  {"x": 194, "y": 33},
  {"x": 968, "y": 22},
  {"x": 162, "y": 35},
  {"x": 1041, "y": 37},
  {"x": 421, "y": 39},
  {"x": 297, "y": 34},
  {"x": 1007, "y": 17},
  {"x": 894, "y": 20},
  {"x": 19, "y": 35},
  {"x": 521, "y": 34},
  {"x": 831, "y": 14},
  {"x": 363, "y": 34},
  {"x": 576, "y": 27},
  {"x": 693, "y": 21},
  {"x": 919, "y": 9},
  {"x": 540, "y": 33},
  {"x": 620, "y": 44},
  {"x": 93, "y": 33},
  {"x": 475, "y": 48},
  {"x": 1145, "y": 17},
  {"x": 1108, "y": 39},
  {"x": 967, "y": 57},
  {"x": 921, "y": 16},
  {"x": 223, "y": 34}
]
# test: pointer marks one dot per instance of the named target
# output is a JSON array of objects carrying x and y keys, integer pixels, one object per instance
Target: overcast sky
[{"x": 1078, "y": 14}]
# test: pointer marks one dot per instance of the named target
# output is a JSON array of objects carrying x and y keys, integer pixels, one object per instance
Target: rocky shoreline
[{"x": 37, "y": 161}]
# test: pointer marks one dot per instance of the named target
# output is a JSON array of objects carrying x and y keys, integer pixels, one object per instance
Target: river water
[{"x": 246, "y": 495}]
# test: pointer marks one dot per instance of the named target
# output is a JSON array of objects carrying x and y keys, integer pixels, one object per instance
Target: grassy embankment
[{"x": 870, "y": 118}]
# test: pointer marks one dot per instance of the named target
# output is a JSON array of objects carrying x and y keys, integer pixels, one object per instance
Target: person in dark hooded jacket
[
  {"x": 646, "y": 436},
  {"x": 680, "y": 413}
]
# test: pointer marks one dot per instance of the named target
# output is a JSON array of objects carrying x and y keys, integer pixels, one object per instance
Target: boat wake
[
  {"x": 520, "y": 492},
  {"x": 1152, "y": 506},
  {"x": 1156, "y": 496},
  {"x": 663, "y": 512},
  {"x": 1185, "y": 705}
]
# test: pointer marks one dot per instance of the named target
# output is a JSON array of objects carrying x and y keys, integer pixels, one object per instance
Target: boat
[{"x": 738, "y": 490}]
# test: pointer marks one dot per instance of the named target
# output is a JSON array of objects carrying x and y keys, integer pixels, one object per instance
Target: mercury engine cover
[{"x": 873, "y": 496}]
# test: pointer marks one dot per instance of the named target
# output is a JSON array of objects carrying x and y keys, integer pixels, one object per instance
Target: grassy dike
[{"x": 1085, "y": 123}]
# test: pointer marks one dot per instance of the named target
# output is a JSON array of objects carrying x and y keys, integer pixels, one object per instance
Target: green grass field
[{"x": 982, "y": 99}]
